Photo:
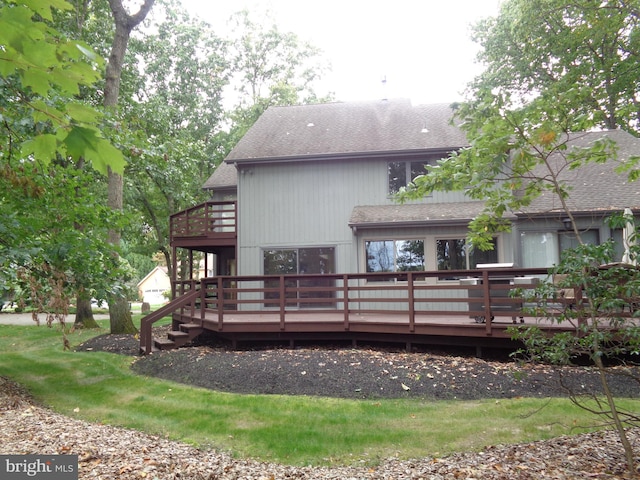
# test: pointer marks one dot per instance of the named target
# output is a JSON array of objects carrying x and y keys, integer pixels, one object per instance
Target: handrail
[
  {"x": 205, "y": 219},
  {"x": 146, "y": 340},
  {"x": 396, "y": 292},
  {"x": 353, "y": 295}
]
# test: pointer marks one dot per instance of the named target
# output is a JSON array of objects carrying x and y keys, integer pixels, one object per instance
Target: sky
[{"x": 421, "y": 47}]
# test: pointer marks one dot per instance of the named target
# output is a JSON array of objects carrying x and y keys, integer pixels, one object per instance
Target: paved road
[{"x": 27, "y": 319}]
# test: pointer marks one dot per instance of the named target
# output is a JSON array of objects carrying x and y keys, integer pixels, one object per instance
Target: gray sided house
[
  {"x": 304, "y": 240},
  {"x": 314, "y": 185}
]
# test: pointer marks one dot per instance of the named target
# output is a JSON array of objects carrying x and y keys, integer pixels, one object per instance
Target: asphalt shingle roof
[
  {"x": 326, "y": 131},
  {"x": 596, "y": 186},
  {"x": 343, "y": 128},
  {"x": 330, "y": 129},
  {"x": 224, "y": 176},
  {"x": 413, "y": 214}
]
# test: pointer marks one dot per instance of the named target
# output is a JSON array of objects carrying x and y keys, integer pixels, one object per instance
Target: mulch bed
[{"x": 364, "y": 373}]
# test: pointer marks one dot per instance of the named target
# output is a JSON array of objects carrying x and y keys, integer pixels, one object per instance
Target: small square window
[{"x": 402, "y": 173}]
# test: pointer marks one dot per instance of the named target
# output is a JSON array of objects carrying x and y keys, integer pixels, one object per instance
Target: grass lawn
[{"x": 295, "y": 430}]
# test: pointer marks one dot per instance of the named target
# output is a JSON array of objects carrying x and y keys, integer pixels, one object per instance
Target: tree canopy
[
  {"x": 173, "y": 123},
  {"x": 575, "y": 70},
  {"x": 51, "y": 218},
  {"x": 582, "y": 54},
  {"x": 42, "y": 71}
]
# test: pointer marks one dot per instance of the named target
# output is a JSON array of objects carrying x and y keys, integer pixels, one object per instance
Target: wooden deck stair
[{"x": 178, "y": 338}]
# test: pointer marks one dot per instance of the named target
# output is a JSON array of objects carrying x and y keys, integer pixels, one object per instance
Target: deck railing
[
  {"x": 209, "y": 219},
  {"x": 146, "y": 324},
  {"x": 480, "y": 294}
]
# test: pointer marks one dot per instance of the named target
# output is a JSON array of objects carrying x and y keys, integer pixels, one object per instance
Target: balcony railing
[{"x": 208, "y": 220}]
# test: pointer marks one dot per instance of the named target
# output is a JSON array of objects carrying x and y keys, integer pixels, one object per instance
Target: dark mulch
[{"x": 369, "y": 373}]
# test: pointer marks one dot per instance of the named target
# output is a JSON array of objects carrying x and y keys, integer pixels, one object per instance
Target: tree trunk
[
  {"x": 84, "y": 314},
  {"x": 120, "y": 315},
  {"x": 120, "y": 320},
  {"x": 119, "y": 312},
  {"x": 622, "y": 434}
]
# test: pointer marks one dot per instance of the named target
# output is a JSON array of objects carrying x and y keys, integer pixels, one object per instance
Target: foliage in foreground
[
  {"x": 52, "y": 225},
  {"x": 547, "y": 85},
  {"x": 100, "y": 387},
  {"x": 599, "y": 298}
]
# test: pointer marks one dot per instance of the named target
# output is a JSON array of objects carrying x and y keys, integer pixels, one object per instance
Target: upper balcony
[{"x": 208, "y": 225}]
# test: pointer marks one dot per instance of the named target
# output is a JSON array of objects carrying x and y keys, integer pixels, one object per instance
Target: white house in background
[{"x": 154, "y": 286}]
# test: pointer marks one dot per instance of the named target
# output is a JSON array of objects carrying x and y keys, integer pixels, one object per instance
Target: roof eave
[
  {"x": 410, "y": 223},
  {"x": 221, "y": 188},
  {"x": 343, "y": 155}
]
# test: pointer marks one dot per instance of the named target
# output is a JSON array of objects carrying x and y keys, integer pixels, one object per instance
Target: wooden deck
[
  {"x": 388, "y": 328},
  {"x": 473, "y": 310}
]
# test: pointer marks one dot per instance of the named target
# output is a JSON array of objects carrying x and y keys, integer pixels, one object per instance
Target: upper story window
[{"x": 402, "y": 173}]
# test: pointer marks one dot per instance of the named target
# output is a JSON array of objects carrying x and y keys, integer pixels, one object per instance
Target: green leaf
[
  {"x": 106, "y": 155},
  {"x": 80, "y": 140},
  {"x": 8, "y": 65},
  {"x": 65, "y": 79},
  {"x": 18, "y": 28},
  {"x": 43, "y": 7},
  {"x": 43, "y": 147},
  {"x": 81, "y": 112},
  {"x": 86, "y": 143},
  {"x": 43, "y": 112},
  {"x": 88, "y": 53},
  {"x": 41, "y": 54},
  {"x": 37, "y": 80}
]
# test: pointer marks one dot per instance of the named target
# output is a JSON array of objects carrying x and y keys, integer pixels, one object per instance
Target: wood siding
[{"x": 309, "y": 204}]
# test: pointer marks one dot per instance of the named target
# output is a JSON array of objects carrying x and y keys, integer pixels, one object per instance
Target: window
[
  {"x": 394, "y": 255},
  {"x": 451, "y": 254},
  {"x": 568, "y": 239},
  {"x": 402, "y": 173},
  {"x": 539, "y": 249},
  {"x": 457, "y": 254},
  {"x": 543, "y": 249},
  {"x": 617, "y": 235},
  {"x": 300, "y": 261}
]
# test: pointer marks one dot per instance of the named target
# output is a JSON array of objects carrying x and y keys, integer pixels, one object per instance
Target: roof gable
[{"x": 158, "y": 271}]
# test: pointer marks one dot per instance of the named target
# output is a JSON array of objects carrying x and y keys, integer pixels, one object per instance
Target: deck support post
[
  {"x": 174, "y": 272},
  {"x": 283, "y": 301},
  {"x": 203, "y": 300},
  {"x": 410, "y": 299},
  {"x": 345, "y": 300},
  {"x": 220, "y": 300},
  {"x": 486, "y": 292}
]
